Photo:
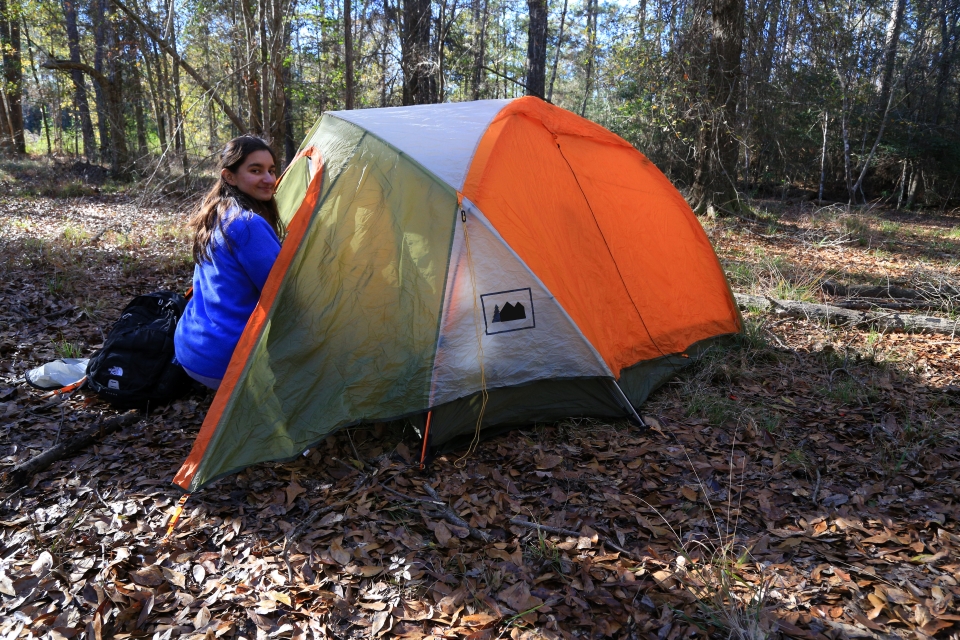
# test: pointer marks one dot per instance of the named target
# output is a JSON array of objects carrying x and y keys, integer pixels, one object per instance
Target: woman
[{"x": 236, "y": 240}]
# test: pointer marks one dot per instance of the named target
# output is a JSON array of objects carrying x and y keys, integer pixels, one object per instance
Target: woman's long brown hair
[{"x": 223, "y": 195}]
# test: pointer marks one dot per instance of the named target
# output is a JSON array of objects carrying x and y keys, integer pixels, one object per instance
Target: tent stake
[{"x": 426, "y": 435}]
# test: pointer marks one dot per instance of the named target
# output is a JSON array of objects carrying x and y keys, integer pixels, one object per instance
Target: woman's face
[{"x": 256, "y": 177}]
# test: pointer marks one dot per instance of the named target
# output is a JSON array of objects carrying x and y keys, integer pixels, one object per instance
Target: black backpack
[{"x": 136, "y": 366}]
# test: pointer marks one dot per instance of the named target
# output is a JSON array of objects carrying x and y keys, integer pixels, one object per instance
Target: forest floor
[{"x": 801, "y": 483}]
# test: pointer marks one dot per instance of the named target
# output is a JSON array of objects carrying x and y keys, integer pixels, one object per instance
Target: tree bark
[{"x": 537, "y": 48}]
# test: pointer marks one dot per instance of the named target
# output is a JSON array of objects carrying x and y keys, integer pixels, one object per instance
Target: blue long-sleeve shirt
[{"x": 226, "y": 288}]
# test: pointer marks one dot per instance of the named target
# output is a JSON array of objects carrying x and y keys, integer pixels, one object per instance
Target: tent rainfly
[{"x": 478, "y": 264}]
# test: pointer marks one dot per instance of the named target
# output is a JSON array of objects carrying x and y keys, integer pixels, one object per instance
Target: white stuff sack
[{"x": 58, "y": 374}]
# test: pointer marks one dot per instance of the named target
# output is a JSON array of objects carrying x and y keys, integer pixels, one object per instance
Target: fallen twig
[
  {"x": 451, "y": 517},
  {"x": 567, "y": 532},
  {"x": 443, "y": 510},
  {"x": 20, "y": 474}
]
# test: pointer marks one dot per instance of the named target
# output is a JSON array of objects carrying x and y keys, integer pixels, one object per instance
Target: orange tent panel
[{"x": 558, "y": 188}]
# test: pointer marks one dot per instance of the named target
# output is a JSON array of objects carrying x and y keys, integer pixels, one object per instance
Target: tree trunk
[
  {"x": 79, "y": 84},
  {"x": 348, "y": 53},
  {"x": 419, "y": 82},
  {"x": 480, "y": 48},
  {"x": 103, "y": 109},
  {"x": 890, "y": 56},
  {"x": 537, "y": 48},
  {"x": 715, "y": 179},
  {"x": 949, "y": 19},
  {"x": 12, "y": 72}
]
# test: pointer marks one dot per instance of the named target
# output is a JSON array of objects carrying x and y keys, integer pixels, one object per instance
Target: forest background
[{"x": 845, "y": 100}]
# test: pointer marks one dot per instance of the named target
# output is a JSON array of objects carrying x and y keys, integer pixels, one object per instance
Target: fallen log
[
  {"x": 21, "y": 474},
  {"x": 866, "y": 304},
  {"x": 884, "y": 321},
  {"x": 891, "y": 291}
]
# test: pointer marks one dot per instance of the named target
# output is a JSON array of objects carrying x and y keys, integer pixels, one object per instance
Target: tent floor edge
[{"x": 639, "y": 381}]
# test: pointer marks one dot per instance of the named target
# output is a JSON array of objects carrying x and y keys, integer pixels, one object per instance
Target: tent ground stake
[
  {"x": 426, "y": 436},
  {"x": 176, "y": 516}
]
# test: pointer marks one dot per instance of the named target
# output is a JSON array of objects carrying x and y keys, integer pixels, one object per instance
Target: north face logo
[
  {"x": 116, "y": 371},
  {"x": 113, "y": 384}
]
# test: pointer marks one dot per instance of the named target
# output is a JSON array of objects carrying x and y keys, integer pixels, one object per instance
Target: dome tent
[{"x": 501, "y": 256}]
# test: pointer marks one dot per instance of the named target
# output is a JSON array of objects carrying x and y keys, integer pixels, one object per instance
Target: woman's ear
[{"x": 228, "y": 177}]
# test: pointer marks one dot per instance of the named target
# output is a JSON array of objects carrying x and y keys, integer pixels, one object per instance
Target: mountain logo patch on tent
[{"x": 505, "y": 311}]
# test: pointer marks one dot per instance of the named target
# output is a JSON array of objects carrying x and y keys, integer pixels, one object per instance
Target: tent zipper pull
[{"x": 463, "y": 215}]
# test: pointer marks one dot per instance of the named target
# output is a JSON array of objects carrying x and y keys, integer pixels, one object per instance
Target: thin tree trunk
[
  {"x": 886, "y": 88},
  {"x": 823, "y": 156},
  {"x": 903, "y": 185},
  {"x": 348, "y": 53},
  {"x": 591, "y": 52},
  {"x": 179, "y": 139},
  {"x": 556, "y": 54},
  {"x": 40, "y": 92},
  {"x": 267, "y": 124},
  {"x": 149, "y": 61},
  {"x": 845, "y": 134}
]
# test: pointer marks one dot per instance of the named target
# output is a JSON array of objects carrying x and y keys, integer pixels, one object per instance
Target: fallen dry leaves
[{"x": 831, "y": 456}]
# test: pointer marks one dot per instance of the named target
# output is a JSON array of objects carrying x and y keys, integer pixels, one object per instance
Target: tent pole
[{"x": 622, "y": 398}]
